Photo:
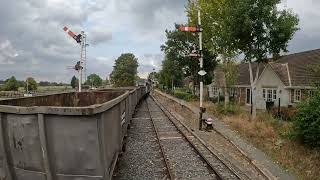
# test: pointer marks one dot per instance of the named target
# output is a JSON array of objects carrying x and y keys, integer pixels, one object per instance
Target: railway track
[
  {"x": 161, "y": 147},
  {"x": 244, "y": 166},
  {"x": 186, "y": 156}
]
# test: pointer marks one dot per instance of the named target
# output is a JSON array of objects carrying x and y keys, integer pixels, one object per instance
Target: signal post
[{"x": 202, "y": 72}]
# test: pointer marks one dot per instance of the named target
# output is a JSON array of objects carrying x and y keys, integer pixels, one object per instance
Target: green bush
[
  {"x": 184, "y": 95},
  {"x": 306, "y": 123}
]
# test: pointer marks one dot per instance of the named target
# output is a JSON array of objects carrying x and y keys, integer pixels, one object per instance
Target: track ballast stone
[{"x": 142, "y": 158}]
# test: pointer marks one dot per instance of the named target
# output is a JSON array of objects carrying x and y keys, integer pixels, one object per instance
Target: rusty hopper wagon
[{"x": 68, "y": 136}]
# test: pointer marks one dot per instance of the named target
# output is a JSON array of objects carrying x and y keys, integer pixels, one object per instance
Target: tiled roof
[
  {"x": 282, "y": 71},
  {"x": 298, "y": 64},
  {"x": 300, "y": 67},
  {"x": 243, "y": 74}
]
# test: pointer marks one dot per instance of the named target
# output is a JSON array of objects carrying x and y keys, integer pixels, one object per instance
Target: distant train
[{"x": 144, "y": 83}]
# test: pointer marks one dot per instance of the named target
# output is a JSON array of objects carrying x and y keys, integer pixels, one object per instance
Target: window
[
  {"x": 269, "y": 94},
  {"x": 215, "y": 91},
  {"x": 311, "y": 93},
  {"x": 297, "y": 95},
  {"x": 233, "y": 92}
]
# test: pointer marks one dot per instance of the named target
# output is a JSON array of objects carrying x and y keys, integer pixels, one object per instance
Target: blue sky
[{"x": 32, "y": 42}]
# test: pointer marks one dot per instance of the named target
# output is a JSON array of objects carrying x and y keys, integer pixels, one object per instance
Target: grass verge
[{"x": 271, "y": 136}]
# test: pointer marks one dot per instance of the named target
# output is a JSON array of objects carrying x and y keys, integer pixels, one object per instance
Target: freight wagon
[{"x": 67, "y": 136}]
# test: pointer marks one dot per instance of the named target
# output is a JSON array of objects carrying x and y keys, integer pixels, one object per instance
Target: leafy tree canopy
[
  {"x": 177, "y": 49},
  {"x": 74, "y": 82},
  {"x": 30, "y": 84},
  {"x": 256, "y": 28},
  {"x": 171, "y": 73},
  {"x": 11, "y": 84},
  {"x": 125, "y": 71},
  {"x": 94, "y": 80}
]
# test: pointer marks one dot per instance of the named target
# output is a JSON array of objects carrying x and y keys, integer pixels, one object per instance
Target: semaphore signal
[
  {"x": 189, "y": 29},
  {"x": 80, "y": 39}
]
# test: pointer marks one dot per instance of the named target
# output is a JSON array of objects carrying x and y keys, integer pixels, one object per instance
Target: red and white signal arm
[
  {"x": 189, "y": 29},
  {"x": 73, "y": 35}
]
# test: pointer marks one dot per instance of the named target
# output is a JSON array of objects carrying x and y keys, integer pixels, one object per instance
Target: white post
[
  {"x": 80, "y": 82},
  {"x": 201, "y": 58},
  {"x": 201, "y": 68},
  {"x": 81, "y": 59},
  {"x": 85, "y": 57}
]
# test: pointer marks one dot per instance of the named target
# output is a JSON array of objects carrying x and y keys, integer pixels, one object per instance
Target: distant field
[
  {"x": 49, "y": 88},
  {"x": 42, "y": 90}
]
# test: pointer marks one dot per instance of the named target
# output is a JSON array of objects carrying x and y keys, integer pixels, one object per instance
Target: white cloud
[
  {"x": 99, "y": 35},
  {"x": 7, "y": 53},
  {"x": 32, "y": 41}
]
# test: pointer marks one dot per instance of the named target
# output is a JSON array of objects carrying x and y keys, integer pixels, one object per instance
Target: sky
[{"x": 32, "y": 42}]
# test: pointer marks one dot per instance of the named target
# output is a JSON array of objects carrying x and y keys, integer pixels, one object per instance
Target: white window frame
[
  {"x": 297, "y": 95},
  {"x": 215, "y": 91},
  {"x": 311, "y": 93},
  {"x": 269, "y": 94},
  {"x": 232, "y": 92}
]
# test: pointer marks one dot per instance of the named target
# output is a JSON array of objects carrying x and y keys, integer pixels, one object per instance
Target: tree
[
  {"x": 31, "y": 84},
  {"x": 125, "y": 70},
  {"x": 11, "y": 84},
  {"x": 74, "y": 82},
  {"x": 255, "y": 28},
  {"x": 94, "y": 80},
  {"x": 177, "y": 49},
  {"x": 171, "y": 73},
  {"x": 259, "y": 29},
  {"x": 229, "y": 68},
  {"x": 215, "y": 34}
]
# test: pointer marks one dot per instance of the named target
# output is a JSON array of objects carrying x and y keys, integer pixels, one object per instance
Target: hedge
[{"x": 306, "y": 123}]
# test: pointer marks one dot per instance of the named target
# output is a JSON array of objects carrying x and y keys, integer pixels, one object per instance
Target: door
[{"x": 248, "y": 96}]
